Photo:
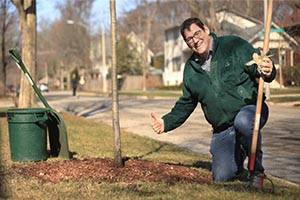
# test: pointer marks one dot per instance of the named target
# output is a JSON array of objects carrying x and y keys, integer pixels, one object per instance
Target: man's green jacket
[{"x": 224, "y": 90}]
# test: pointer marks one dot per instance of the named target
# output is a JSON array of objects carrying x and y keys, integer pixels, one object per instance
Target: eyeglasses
[{"x": 196, "y": 35}]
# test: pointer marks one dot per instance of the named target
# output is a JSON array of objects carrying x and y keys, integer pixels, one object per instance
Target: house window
[
  {"x": 175, "y": 35},
  {"x": 167, "y": 37},
  {"x": 283, "y": 61},
  {"x": 166, "y": 65},
  {"x": 176, "y": 64},
  {"x": 172, "y": 35}
]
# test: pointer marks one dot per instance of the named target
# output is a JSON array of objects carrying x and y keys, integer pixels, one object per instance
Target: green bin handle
[
  {"x": 43, "y": 118},
  {"x": 60, "y": 147},
  {"x": 17, "y": 58}
]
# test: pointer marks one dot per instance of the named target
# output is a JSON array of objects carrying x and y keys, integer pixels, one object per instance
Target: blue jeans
[{"x": 226, "y": 144}]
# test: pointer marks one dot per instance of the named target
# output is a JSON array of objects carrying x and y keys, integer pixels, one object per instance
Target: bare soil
[{"x": 103, "y": 170}]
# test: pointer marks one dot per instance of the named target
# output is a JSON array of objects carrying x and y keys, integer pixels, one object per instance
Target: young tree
[
  {"x": 27, "y": 16},
  {"x": 118, "y": 162}
]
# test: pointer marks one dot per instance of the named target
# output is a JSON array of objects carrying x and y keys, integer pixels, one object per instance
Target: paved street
[{"x": 281, "y": 135}]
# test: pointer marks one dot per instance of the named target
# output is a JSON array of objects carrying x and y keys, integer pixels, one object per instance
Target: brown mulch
[{"x": 103, "y": 170}]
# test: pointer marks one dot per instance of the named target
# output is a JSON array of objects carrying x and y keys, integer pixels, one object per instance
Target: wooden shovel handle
[{"x": 260, "y": 89}]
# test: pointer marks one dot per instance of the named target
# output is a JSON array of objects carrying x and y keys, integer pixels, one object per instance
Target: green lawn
[
  {"x": 90, "y": 139},
  {"x": 287, "y": 90},
  {"x": 288, "y": 94}
]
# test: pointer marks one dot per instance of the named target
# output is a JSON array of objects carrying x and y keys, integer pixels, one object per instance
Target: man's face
[{"x": 198, "y": 39}]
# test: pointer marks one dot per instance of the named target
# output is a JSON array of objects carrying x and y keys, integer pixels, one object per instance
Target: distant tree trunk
[
  {"x": 151, "y": 12},
  {"x": 27, "y": 15},
  {"x": 3, "y": 50},
  {"x": 118, "y": 162},
  {"x": 213, "y": 17},
  {"x": 196, "y": 10}
]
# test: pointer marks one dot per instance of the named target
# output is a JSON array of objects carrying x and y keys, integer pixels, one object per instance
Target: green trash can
[{"x": 28, "y": 133}]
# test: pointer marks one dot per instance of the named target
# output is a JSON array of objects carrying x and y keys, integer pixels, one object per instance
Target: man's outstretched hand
[{"x": 157, "y": 124}]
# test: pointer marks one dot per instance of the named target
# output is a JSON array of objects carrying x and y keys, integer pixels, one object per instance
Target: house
[
  {"x": 98, "y": 77},
  {"x": 282, "y": 46},
  {"x": 176, "y": 53},
  {"x": 140, "y": 46}
]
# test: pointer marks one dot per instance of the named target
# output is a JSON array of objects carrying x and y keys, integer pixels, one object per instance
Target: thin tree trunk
[
  {"x": 149, "y": 20},
  {"x": 118, "y": 162},
  {"x": 213, "y": 17}
]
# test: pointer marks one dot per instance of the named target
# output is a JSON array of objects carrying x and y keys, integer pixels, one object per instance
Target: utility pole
[
  {"x": 104, "y": 70},
  {"x": 46, "y": 74}
]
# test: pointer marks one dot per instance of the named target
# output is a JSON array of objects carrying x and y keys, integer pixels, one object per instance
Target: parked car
[{"x": 44, "y": 87}]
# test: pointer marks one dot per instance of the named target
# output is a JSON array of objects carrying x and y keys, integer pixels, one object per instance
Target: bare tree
[
  {"x": 173, "y": 13},
  {"x": 213, "y": 17},
  {"x": 65, "y": 43},
  {"x": 9, "y": 37},
  {"x": 118, "y": 162},
  {"x": 27, "y": 16},
  {"x": 150, "y": 14},
  {"x": 3, "y": 6},
  {"x": 198, "y": 9}
]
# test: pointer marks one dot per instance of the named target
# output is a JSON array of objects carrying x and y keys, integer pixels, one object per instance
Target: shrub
[{"x": 291, "y": 75}]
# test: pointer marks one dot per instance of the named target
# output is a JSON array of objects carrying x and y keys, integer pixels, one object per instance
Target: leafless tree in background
[
  {"x": 3, "y": 7},
  {"x": 173, "y": 13},
  {"x": 150, "y": 13},
  {"x": 198, "y": 9},
  {"x": 62, "y": 44},
  {"x": 4, "y": 29},
  {"x": 213, "y": 17},
  {"x": 27, "y": 16},
  {"x": 9, "y": 37},
  {"x": 65, "y": 43}
]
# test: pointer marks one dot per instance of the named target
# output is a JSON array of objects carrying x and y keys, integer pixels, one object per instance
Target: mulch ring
[{"x": 103, "y": 170}]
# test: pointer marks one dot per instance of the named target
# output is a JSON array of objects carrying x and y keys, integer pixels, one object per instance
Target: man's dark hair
[{"x": 188, "y": 22}]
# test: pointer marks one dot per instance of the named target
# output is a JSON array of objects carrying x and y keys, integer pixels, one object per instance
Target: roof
[{"x": 236, "y": 24}]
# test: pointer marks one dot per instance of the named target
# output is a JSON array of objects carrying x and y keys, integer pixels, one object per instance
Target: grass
[
  {"x": 284, "y": 95},
  {"x": 277, "y": 95},
  {"x": 287, "y": 90},
  {"x": 288, "y": 94},
  {"x": 91, "y": 139},
  {"x": 152, "y": 93},
  {"x": 283, "y": 99}
]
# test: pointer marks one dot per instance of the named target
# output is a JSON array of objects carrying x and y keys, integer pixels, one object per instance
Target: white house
[
  {"x": 139, "y": 45},
  {"x": 176, "y": 52}
]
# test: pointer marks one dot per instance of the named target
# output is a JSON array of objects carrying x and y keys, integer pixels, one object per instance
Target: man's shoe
[
  {"x": 242, "y": 175},
  {"x": 256, "y": 182}
]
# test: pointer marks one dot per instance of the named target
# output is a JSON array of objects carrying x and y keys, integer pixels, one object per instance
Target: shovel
[
  {"x": 56, "y": 127},
  {"x": 260, "y": 90}
]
